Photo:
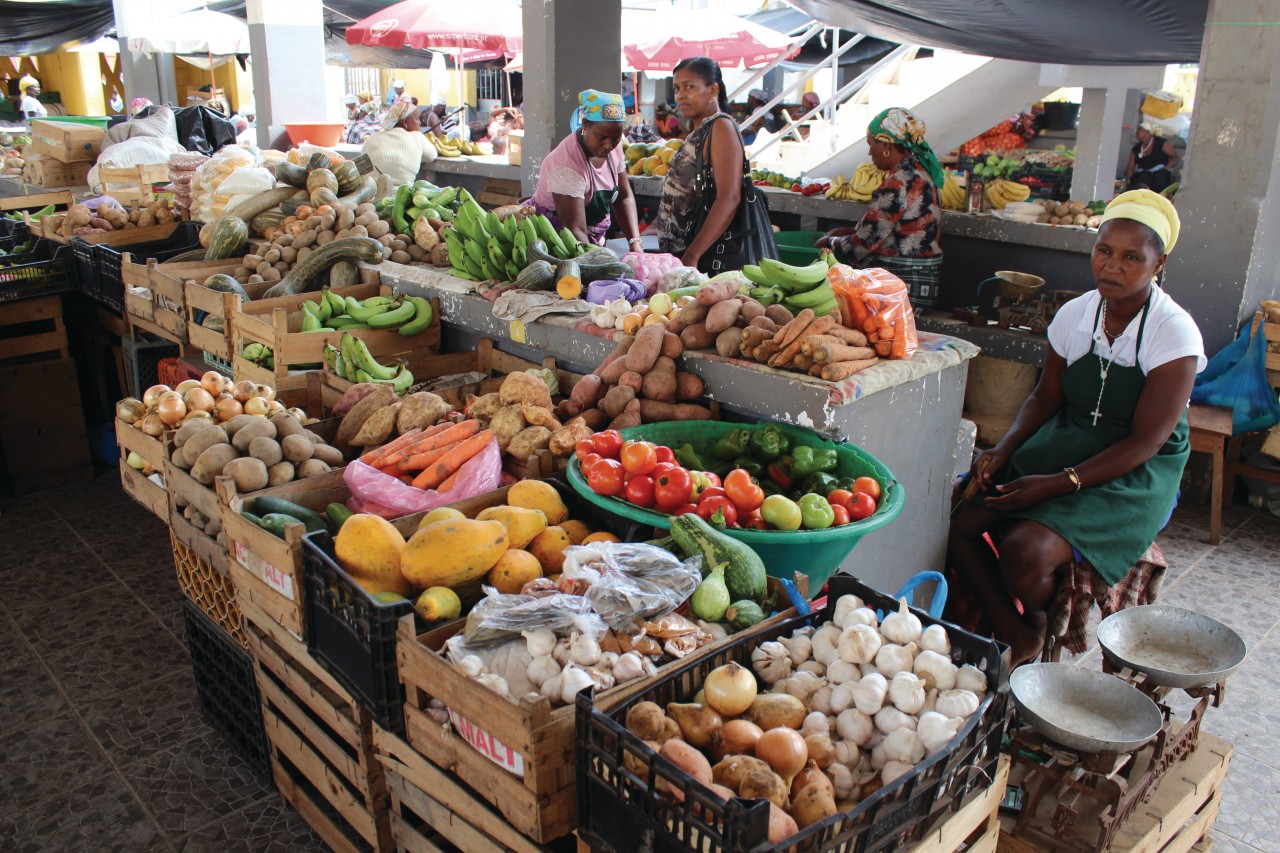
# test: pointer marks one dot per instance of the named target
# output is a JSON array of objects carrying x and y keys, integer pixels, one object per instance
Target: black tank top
[{"x": 1155, "y": 157}]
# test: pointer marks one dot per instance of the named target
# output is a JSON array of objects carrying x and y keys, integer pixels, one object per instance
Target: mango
[
  {"x": 602, "y": 536},
  {"x": 513, "y": 570},
  {"x": 370, "y": 549},
  {"x": 522, "y": 524},
  {"x": 549, "y": 549},
  {"x": 539, "y": 495},
  {"x": 454, "y": 552}
]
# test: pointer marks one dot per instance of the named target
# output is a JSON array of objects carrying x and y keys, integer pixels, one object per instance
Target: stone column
[
  {"x": 286, "y": 39},
  {"x": 144, "y": 77},
  {"x": 1228, "y": 257},
  {"x": 1102, "y": 119},
  {"x": 569, "y": 45}
]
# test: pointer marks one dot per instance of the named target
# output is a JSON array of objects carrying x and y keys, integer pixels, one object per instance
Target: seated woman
[
  {"x": 582, "y": 183},
  {"x": 904, "y": 216},
  {"x": 1093, "y": 459},
  {"x": 400, "y": 149},
  {"x": 367, "y": 123}
]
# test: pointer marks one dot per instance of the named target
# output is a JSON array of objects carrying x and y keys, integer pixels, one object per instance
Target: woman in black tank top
[{"x": 1151, "y": 161}]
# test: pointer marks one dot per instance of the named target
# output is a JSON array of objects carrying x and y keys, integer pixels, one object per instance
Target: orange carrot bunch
[
  {"x": 875, "y": 302},
  {"x": 430, "y": 458}
]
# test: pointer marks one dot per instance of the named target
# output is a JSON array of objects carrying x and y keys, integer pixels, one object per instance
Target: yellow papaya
[
  {"x": 513, "y": 570},
  {"x": 440, "y": 513},
  {"x": 540, "y": 495},
  {"x": 576, "y": 529},
  {"x": 370, "y": 549},
  {"x": 522, "y": 524},
  {"x": 549, "y": 547},
  {"x": 453, "y": 552}
]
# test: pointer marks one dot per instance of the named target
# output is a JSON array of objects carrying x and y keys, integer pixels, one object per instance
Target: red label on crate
[
  {"x": 488, "y": 745},
  {"x": 273, "y": 577}
]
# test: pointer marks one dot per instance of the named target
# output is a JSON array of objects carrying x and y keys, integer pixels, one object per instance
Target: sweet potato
[
  {"x": 377, "y": 428},
  {"x": 697, "y": 337},
  {"x": 632, "y": 379},
  {"x": 595, "y": 419},
  {"x": 672, "y": 346},
  {"x": 729, "y": 342},
  {"x": 751, "y": 309},
  {"x": 617, "y": 400},
  {"x": 630, "y": 417},
  {"x": 586, "y": 391},
  {"x": 779, "y": 314},
  {"x": 694, "y": 312},
  {"x": 567, "y": 409},
  {"x": 713, "y": 292},
  {"x": 619, "y": 353},
  {"x": 764, "y": 322},
  {"x": 723, "y": 315},
  {"x": 355, "y": 417},
  {"x": 688, "y": 386},
  {"x": 645, "y": 351},
  {"x": 656, "y": 411},
  {"x": 660, "y": 382},
  {"x": 613, "y": 372}
]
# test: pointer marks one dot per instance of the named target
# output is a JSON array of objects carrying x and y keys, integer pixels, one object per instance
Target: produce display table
[{"x": 905, "y": 413}]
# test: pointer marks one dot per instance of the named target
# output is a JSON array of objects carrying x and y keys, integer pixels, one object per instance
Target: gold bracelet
[{"x": 1073, "y": 477}]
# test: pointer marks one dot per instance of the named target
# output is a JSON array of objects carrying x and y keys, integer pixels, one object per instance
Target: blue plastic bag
[{"x": 1236, "y": 378}]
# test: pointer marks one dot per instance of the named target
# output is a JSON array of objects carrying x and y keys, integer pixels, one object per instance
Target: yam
[
  {"x": 267, "y": 450},
  {"x": 312, "y": 468},
  {"x": 280, "y": 473},
  {"x": 359, "y": 413},
  {"x": 723, "y": 315},
  {"x": 201, "y": 441},
  {"x": 439, "y": 255},
  {"x": 484, "y": 408},
  {"x": 521, "y": 387},
  {"x": 697, "y": 337},
  {"x": 672, "y": 346},
  {"x": 249, "y": 473},
  {"x": 632, "y": 380},
  {"x": 656, "y": 411},
  {"x": 297, "y": 448},
  {"x": 646, "y": 349},
  {"x": 660, "y": 382},
  {"x": 420, "y": 410},
  {"x": 538, "y": 416},
  {"x": 729, "y": 342},
  {"x": 328, "y": 454},
  {"x": 617, "y": 400},
  {"x": 564, "y": 440},
  {"x": 211, "y": 462},
  {"x": 525, "y": 442},
  {"x": 688, "y": 386}
]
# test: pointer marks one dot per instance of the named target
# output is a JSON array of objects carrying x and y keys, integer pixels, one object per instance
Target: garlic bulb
[
  {"x": 893, "y": 770},
  {"x": 862, "y": 616},
  {"x": 553, "y": 687},
  {"x": 936, "y": 639},
  {"x": 854, "y": 726},
  {"x": 936, "y": 731},
  {"x": 957, "y": 703},
  {"x": 841, "y": 671},
  {"x": 496, "y": 683},
  {"x": 903, "y": 745},
  {"x": 865, "y": 669},
  {"x": 542, "y": 668},
  {"x": 561, "y": 651},
  {"x": 869, "y": 693},
  {"x": 842, "y": 780},
  {"x": 847, "y": 752},
  {"x": 540, "y": 642},
  {"x": 821, "y": 699},
  {"x": 799, "y": 648},
  {"x": 628, "y": 667},
  {"x": 584, "y": 650},
  {"x": 801, "y": 685},
  {"x": 969, "y": 677},
  {"x": 608, "y": 660},
  {"x": 841, "y": 697},
  {"x": 771, "y": 662},
  {"x": 823, "y": 643},
  {"x": 603, "y": 678},
  {"x": 907, "y": 692},
  {"x": 845, "y": 605},
  {"x": 902, "y": 627},
  {"x": 877, "y": 737},
  {"x": 858, "y": 644},
  {"x": 878, "y": 758},
  {"x": 936, "y": 669},
  {"x": 815, "y": 723},
  {"x": 715, "y": 629},
  {"x": 893, "y": 659},
  {"x": 812, "y": 667},
  {"x": 930, "y": 700},
  {"x": 888, "y": 719},
  {"x": 471, "y": 665},
  {"x": 573, "y": 681}
]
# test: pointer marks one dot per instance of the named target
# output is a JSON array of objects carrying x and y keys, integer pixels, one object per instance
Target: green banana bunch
[{"x": 352, "y": 360}]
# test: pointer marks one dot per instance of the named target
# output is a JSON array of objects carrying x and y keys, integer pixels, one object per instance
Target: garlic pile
[{"x": 881, "y": 694}]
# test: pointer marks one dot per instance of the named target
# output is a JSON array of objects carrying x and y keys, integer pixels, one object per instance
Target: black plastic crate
[
  {"x": 45, "y": 270},
  {"x": 84, "y": 261},
  {"x": 618, "y": 800},
  {"x": 354, "y": 637},
  {"x": 226, "y": 687},
  {"x": 142, "y": 362},
  {"x": 110, "y": 290},
  {"x": 13, "y": 228}
]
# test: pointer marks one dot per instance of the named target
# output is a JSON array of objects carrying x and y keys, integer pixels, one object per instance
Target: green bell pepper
[
  {"x": 819, "y": 483},
  {"x": 815, "y": 512},
  {"x": 768, "y": 443},
  {"x": 733, "y": 443},
  {"x": 845, "y": 483},
  {"x": 811, "y": 460},
  {"x": 689, "y": 458},
  {"x": 751, "y": 466}
]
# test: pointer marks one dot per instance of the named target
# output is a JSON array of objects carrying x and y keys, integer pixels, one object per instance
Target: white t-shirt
[
  {"x": 30, "y": 106},
  {"x": 1170, "y": 333}
]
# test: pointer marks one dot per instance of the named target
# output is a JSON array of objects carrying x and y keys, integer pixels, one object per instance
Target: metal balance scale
[
  {"x": 1016, "y": 300},
  {"x": 1099, "y": 743}
]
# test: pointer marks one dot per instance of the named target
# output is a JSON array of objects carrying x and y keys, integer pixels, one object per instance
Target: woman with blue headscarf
[{"x": 582, "y": 184}]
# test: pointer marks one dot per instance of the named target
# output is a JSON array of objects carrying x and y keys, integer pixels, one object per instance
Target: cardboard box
[
  {"x": 67, "y": 142},
  {"x": 49, "y": 173},
  {"x": 515, "y": 144}
]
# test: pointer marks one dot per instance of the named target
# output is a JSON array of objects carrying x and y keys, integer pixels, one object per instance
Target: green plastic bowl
[{"x": 815, "y": 553}]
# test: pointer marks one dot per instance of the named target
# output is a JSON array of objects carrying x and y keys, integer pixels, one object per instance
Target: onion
[
  {"x": 302, "y": 418},
  {"x": 152, "y": 395},
  {"x": 152, "y": 425},
  {"x": 244, "y": 390},
  {"x": 171, "y": 409},
  {"x": 257, "y": 406},
  {"x": 130, "y": 410},
  {"x": 227, "y": 408},
  {"x": 186, "y": 385},
  {"x": 740, "y": 737},
  {"x": 275, "y": 407},
  {"x": 784, "y": 750},
  {"x": 812, "y": 775},
  {"x": 197, "y": 415},
  {"x": 730, "y": 689},
  {"x": 213, "y": 382},
  {"x": 198, "y": 398},
  {"x": 265, "y": 391}
]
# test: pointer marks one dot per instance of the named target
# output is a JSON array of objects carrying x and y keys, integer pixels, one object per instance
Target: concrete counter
[{"x": 905, "y": 413}]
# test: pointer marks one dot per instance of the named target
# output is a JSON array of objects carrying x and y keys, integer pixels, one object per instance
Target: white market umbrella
[{"x": 197, "y": 32}]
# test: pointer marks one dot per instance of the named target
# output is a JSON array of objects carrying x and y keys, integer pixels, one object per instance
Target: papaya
[
  {"x": 549, "y": 547},
  {"x": 540, "y": 495},
  {"x": 513, "y": 570},
  {"x": 370, "y": 549},
  {"x": 602, "y": 536},
  {"x": 576, "y": 529},
  {"x": 440, "y": 513},
  {"x": 438, "y": 604},
  {"x": 522, "y": 524},
  {"x": 453, "y": 552}
]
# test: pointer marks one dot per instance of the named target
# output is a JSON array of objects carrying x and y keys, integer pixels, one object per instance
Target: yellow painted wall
[
  {"x": 417, "y": 83},
  {"x": 236, "y": 84},
  {"x": 77, "y": 78}
]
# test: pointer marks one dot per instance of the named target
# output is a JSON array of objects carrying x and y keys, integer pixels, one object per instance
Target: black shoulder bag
[{"x": 749, "y": 236}]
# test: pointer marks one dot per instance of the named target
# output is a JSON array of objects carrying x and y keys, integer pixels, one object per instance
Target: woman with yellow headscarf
[
  {"x": 1089, "y": 471},
  {"x": 29, "y": 106}
]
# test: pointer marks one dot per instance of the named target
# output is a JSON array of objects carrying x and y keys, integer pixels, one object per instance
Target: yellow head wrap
[
  {"x": 26, "y": 81},
  {"x": 1151, "y": 209}
]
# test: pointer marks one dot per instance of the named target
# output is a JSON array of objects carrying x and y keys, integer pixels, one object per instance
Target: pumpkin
[
  {"x": 453, "y": 553},
  {"x": 227, "y": 238},
  {"x": 322, "y": 178}
]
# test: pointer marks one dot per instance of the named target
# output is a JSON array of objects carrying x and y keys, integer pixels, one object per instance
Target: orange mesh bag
[{"x": 875, "y": 302}]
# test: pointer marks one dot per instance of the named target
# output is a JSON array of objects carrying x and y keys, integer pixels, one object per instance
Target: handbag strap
[{"x": 702, "y": 164}]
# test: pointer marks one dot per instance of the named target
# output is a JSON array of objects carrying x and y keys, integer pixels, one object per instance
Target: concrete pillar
[
  {"x": 149, "y": 77},
  {"x": 1102, "y": 119},
  {"x": 1228, "y": 257},
  {"x": 569, "y": 45},
  {"x": 286, "y": 40}
]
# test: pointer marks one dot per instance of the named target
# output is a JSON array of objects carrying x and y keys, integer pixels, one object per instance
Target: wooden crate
[
  {"x": 429, "y": 808},
  {"x": 498, "y": 192},
  {"x": 151, "y": 449},
  {"x": 321, "y": 744},
  {"x": 1176, "y": 817},
  {"x": 43, "y": 445},
  {"x": 52, "y": 174},
  {"x": 33, "y": 329},
  {"x": 36, "y": 201},
  {"x": 161, "y": 311},
  {"x": 137, "y": 180},
  {"x": 185, "y": 491},
  {"x": 264, "y": 567},
  {"x": 204, "y": 584},
  {"x": 123, "y": 237},
  {"x": 67, "y": 142},
  {"x": 976, "y": 827},
  {"x": 150, "y": 494}
]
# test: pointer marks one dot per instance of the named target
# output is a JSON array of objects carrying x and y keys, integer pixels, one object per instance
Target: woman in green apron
[
  {"x": 1090, "y": 468},
  {"x": 583, "y": 182}
]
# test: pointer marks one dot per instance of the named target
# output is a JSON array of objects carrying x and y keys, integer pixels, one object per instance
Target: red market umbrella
[
  {"x": 656, "y": 42},
  {"x": 480, "y": 29}
]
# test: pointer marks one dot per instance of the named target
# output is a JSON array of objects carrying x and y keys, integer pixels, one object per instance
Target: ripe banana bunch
[
  {"x": 953, "y": 195},
  {"x": 352, "y": 361},
  {"x": 446, "y": 147},
  {"x": 866, "y": 180},
  {"x": 1001, "y": 192},
  {"x": 795, "y": 287},
  {"x": 468, "y": 147}
]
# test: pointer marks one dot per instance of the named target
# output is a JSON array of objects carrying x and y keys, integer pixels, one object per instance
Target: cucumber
[
  {"x": 250, "y": 517},
  {"x": 279, "y": 506},
  {"x": 742, "y": 615},
  {"x": 275, "y": 523},
  {"x": 338, "y": 515},
  {"x": 745, "y": 575}
]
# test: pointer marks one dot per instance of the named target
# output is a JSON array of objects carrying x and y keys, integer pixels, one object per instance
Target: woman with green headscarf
[{"x": 904, "y": 216}]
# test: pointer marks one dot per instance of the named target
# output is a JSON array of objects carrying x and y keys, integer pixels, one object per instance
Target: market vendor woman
[
  {"x": 904, "y": 216},
  {"x": 1093, "y": 459},
  {"x": 583, "y": 182}
]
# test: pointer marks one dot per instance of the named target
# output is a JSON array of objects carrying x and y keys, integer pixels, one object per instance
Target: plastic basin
[
  {"x": 796, "y": 247},
  {"x": 321, "y": 133},
  {"x": 816, "y": 553}
]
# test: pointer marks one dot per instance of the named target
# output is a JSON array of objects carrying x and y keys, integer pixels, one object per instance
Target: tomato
[
  {"x": 701, "y": 482},
  {"x": 638, "y": 457},
  {"x": 867, "y": 486},
  {"x": 589, "y": 460},
  {"x": 840, "y": 497},
  {"x": 743, "y": 490},
  {"x": 781, "y": 512},
  {"x": 714, "y": 478},
  {"x": 686, "y": 509},
  {"x": 639, "y": 490},
  {"x": 862, "y": 506},
  {"x": 708, "y": 507},
  {"x": 711, "y": 492},
  {"x": 754, "y": 521},
  {"x": 605, "y": 477},
  {"x": 672, "y": 489},
  {"x": 608, "y": 443},
  {"x": 665, "y": 454},
  {"x": 582, "y": 448},
  {"x": 661, "y": 468},
  {"x": 841, "y": 514}
]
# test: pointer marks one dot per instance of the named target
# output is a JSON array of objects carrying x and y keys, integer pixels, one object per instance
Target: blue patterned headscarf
[{"x": 594, "y": 105}]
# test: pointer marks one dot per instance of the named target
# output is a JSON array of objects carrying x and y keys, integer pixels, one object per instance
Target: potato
[
  {"x": 312, "y": 437},
  {"x": 262, "y": 428},
  {"x": 297, "y": 448},
  {"x": 645, "y": 351},
  {"x": 697, "y": 337},
  {"x": 400, "y": 256},
  {"x": 415, "y": 252},
  {"x": 346, "y": 218},
  {"x": 331, "y": 456},
  {"x": 378, "y": 428},
  {"x": 178, "y": 459},
  {"x": 189, "y": 429},
  {"x": 507, "y": 424},
  {"x": 672, "y": 346},
  {"x": 311, "y": 468},
  {"x": 524, "y": 387},
  {"x": 286, "y": 425},
  {"x": 538, "y": 416},
  {"x": 233, "y": 426},
  {"x": 201, "y": 441},
  {"x": 377, "y": 228},
  {"x": 484, "y": 408},
  {"x": 527, "y": 441},
  {"x": 250, "y": 474},
  {"x": 688, "y": 386},
  {"x": 280, "y": 473},
  {"x": 266, "y": 450},
  {"x": 211, "y": 462},
  {"x": 420, "y": 410},
  {"x": 660, "y": 382}
]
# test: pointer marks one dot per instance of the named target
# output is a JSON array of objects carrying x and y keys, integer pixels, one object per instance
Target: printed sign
[
  {"x": 273, "y": 577},
  {"x": 488, "y": 745}
]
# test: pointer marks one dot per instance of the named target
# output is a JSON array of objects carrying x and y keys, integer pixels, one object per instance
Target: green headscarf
[{"x": 900, "y": 127}]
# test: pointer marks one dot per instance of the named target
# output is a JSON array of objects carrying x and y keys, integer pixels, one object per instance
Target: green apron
[
  {"x": 1111, "y": 524},
  {"x": 599, "y": 205}
]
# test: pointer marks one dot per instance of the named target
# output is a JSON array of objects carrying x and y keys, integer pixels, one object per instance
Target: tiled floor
[{"x": 104, "y": 748}]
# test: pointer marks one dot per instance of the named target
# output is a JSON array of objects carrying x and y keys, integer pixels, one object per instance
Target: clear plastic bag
[
  {"x": 875, "y": 301},
  {"x": 498, "y": 618},
  {"x": 632, "y": 582},
  {"x": 374, "y": 492}
]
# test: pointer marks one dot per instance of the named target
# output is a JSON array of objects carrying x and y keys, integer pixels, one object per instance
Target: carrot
[
  {"x": 380, "y": 455},
  {"x": 420, "y": 461},
  {"x": 438, "y": 472},
  {"x": 852, "y": 337},
  {"x": 449, "y": 483},
  {"x": 448, "y": 435},
  {"x": 845, "y": 369},
  {"x": 794, "y": 329},
  {"x": 898, "y": 349},
  {"x": 816, "y": 327},
  {"x": 371, "y": 458}
]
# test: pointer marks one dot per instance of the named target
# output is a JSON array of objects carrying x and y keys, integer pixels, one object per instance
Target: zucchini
[
  {"x": 226, "y": 284},
  {"x": 537, "y": 275},
  {"x": 291, "y": 174},
  {"x": 605, "y": 272},
  {"x": 361, "y": 192},
  {"x": 338, "y": 515},
  {"x": 275, "y": 523},
  {"x": 538, "y": 252},
  {"x": 568, "y": 280},
  {"x": 743, "y": 614},
  {"x": 307, "y": 273},
  {"x": 261, "y": 203},
  {"x": 227, "y": 238},
  {"x": 279, "y": 506},
  {"x": 745, "y": 575}
]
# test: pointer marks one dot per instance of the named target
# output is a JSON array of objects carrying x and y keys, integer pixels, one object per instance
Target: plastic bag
[
  {"x": 251, "y": 179},
  {"x": 497, "y": 618},
  {"x": 1236, "y": 378},
  {"x": 606, "y": 290},
  {"x": 374, "y": 492},
  {"x": 875, "y": 301},
  {"x": 632, "y": 581},
  {"x": 650, "y": 267}
]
